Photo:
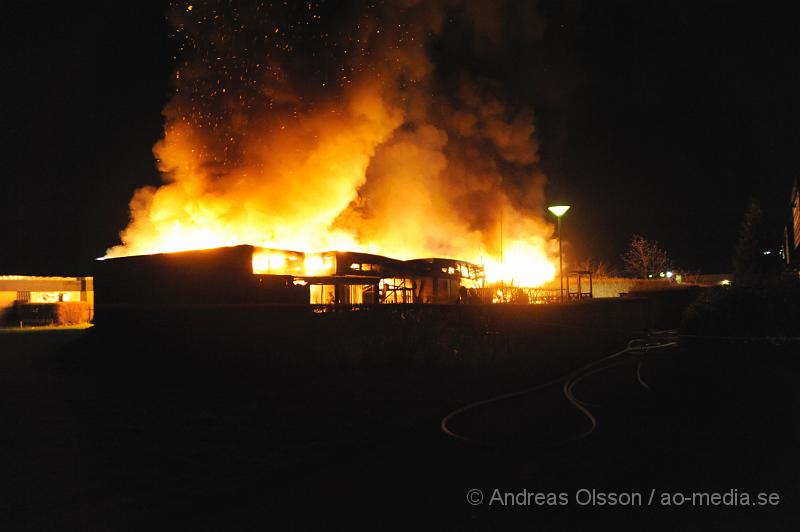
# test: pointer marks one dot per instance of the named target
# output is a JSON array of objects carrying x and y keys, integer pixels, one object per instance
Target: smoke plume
[{"x": 314, "y": 126}]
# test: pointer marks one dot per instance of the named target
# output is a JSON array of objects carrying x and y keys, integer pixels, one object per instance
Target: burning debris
[{"x": 312, "y": 126}]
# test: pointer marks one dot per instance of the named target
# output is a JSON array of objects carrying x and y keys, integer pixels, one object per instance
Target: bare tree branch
[{"x": 645, "y": 258}]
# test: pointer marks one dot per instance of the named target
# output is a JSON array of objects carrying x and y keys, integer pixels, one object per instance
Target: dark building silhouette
[{"x": 791, "y": 242}]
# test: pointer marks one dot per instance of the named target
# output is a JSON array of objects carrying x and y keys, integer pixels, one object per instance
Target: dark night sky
[{"x": 658, "y": 118}]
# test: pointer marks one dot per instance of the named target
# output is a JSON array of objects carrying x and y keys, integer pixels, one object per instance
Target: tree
[
  {"x": 645, "y": 258},
  {"x": 750, "y": 265},
  {"x": 600, "y": 269}
]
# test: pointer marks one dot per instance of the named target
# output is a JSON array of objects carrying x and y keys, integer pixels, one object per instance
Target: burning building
[{"x": 245, "y": 274}]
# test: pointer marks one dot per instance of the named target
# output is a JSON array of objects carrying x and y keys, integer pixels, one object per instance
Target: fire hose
[{"x": 638, "y": 346}]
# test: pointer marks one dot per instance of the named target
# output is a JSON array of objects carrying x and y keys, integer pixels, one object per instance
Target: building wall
[
  {"x": 7, "y": 298},
  {"x": 792, "y": 230},
  {"x": 439, "y": 290}
]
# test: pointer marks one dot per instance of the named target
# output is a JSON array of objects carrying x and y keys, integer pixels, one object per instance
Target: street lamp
[{"x": 559, "y": 211}]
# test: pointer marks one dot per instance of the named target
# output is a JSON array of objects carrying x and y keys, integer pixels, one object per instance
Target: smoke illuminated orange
[{"x": 377, "y": 164}]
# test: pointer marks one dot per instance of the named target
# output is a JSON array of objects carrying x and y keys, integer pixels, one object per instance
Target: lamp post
[{"x": 558, "y": 211}]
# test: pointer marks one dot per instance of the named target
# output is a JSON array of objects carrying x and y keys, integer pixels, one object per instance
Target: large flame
[
  {"x": 353, "y": 145},
  {"x": 522, "y": 265}
]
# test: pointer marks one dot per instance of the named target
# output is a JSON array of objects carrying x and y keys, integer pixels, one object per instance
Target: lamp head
[{"x": 558, "y": 210}]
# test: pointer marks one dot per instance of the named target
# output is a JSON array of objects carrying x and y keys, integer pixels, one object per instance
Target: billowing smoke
[{"x": 317, "y": 126}]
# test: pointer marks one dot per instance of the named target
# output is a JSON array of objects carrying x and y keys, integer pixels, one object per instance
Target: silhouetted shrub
[
  {"x": 768, "y": 309},
  {"x": 751, "y": 267}
]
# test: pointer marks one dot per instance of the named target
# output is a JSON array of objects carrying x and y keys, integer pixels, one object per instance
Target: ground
[{"x": 154, "y": 430}]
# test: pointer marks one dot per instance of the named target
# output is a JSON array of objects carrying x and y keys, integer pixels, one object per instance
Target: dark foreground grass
[{"x": 222, "y": 428}]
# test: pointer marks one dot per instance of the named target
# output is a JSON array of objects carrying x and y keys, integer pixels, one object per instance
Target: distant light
[
  {"x": 767, "y": 252},
  {"x": 299, "y": 282},
  {"x": 558, "y": 210},
  {"x": 725, "y": 282},
  {"x": 669, "y": 275},
  {"x": 100, "y": 258},
  {"x": 661, "y": 274},
  {"x": 650, "y": 276}
]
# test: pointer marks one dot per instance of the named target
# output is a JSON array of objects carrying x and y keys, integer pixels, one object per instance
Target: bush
[
  {"x": 768, "y": 309},
  {"x": 63, "y": 313},
  {"x": 72, "y": 312}
]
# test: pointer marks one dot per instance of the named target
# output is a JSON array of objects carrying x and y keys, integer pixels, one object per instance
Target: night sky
[{"x": 657, "y": 118}]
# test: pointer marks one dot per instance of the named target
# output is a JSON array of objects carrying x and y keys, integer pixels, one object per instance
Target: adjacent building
[{"x": 37, "y": 300}]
